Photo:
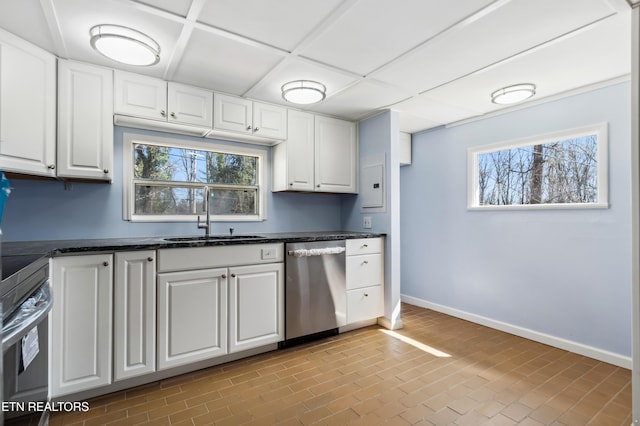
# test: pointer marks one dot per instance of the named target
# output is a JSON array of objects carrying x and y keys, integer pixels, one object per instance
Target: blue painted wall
[
  {"x": 44, "y": 210},
  {"x": 565, "y": 273}
]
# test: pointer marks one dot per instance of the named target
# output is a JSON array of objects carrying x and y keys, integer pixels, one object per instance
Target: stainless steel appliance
[
  {"x": 315, "y": 289},
  {"x": 25, "y": 294}
]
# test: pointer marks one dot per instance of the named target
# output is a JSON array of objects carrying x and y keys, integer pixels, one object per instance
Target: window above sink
[{"x": 164, "y": 180}]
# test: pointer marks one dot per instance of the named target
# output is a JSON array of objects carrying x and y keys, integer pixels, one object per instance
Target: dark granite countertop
[{"x": 64, "y": 247}]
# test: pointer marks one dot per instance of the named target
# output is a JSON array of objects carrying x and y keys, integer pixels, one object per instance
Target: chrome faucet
[{"x": 207, "y": 201}]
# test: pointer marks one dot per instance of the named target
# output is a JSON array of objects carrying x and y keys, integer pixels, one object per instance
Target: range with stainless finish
[
  {"x": 26, "y": 301},
  {"x": 315, "y": 288}
]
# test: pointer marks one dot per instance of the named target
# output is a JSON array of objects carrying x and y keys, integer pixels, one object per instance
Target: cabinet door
[
  {"x": 85, "y": 121},
  {"x": 335, "y": 155},
  {"x": 27, "y": 107},
  {"x": 256, "y": 306},
  {"x": 192, "y": 316},
  {"x": 80, "y": 323},
  {"x": 232, "y": 113},
  {"x": 299, "y": 151},
  {"x": 135, "y": 314},
  {"x": 190, "y": 105},
  {"x": 140, "y": 96},
  {"x": 269, "y": 121}
]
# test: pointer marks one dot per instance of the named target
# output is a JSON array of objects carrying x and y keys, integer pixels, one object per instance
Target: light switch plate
[{"x": 366, "y": 222}]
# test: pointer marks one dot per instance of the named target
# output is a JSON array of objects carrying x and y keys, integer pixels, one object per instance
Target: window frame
[
  {"x": 602, "y": 170},
  {"x": 128, "y": 193}
]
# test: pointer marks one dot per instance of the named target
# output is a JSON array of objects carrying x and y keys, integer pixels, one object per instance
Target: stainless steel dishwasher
[{"x": 315, "y": 290}]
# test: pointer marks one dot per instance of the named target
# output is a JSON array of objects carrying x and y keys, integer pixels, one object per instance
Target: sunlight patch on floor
[{"x": 416, "y": 344}]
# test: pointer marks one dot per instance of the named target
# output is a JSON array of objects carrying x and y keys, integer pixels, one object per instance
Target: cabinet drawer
[
  {"x": 364, "y": 304},
  {"x": 364, "y": 246},
  {"x": 364, "y": 271},
  {"x": 188, "y": 258}
]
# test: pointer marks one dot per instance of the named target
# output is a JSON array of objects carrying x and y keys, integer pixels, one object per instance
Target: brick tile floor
[{"x": 370, "y": 376}]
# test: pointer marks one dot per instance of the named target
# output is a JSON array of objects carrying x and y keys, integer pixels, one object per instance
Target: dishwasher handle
[
  {"x": 316, "y": 251},
  {"x": 31, "y": 313}
]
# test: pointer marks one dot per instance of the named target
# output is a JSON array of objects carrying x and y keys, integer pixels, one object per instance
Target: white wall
[
  {"x": 378, "y": 144},
  {"x": 558, "y": 276}
]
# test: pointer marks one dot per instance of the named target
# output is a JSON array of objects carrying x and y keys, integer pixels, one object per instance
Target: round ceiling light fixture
[
  {"x": 513, "y": 94},
  {"x": 303, "y": 92},
  {"x": 125, "y": 45}
]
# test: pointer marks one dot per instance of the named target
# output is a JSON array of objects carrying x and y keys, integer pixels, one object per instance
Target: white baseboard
[{"x": 547, "y": 339}]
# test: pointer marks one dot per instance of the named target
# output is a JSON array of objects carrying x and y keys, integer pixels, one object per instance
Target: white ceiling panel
[
  {"x": 298, "y": 69},
  {"x": 281, "y": 23},
  {"x": 178, "y": 7},
  {"x": 374, "y": 32},
  {"x": 18, "y": 15},
  {"x": 75, "y": 30},
  {"x": 360, "y": 99},
  {"x": 567, "y": 66},
  {"x": 437, "y": 111},
  {"x": 436, "y": 61},
  {"x": 221, "y": 64},
  {"x": 514, "y": 27}
]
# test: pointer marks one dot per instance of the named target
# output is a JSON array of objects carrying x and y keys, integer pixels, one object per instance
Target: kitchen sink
[{"x": 215, "y": 238}]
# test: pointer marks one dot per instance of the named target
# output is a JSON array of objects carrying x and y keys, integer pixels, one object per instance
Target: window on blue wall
[
  {"x": 165, "y": 180},
  {"x": 566, "y": 169}
]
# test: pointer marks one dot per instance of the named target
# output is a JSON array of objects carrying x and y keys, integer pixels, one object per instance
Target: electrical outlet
[{"x": 366, "y": 222}]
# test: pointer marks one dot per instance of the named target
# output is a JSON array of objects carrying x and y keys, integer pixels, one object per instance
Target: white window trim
[
  {"x": 128, "y": 139},
  {"x": 600, "y": 129}
]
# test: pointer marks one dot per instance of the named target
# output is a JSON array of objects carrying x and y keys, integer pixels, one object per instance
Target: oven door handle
[{"x": 31, "y": 313}]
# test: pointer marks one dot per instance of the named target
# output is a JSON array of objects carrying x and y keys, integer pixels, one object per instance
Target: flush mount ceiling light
[
  {"x": 303, "y": 92},
  {"x": 513, "y": 94},
  {"x": 125, "y": 45}
]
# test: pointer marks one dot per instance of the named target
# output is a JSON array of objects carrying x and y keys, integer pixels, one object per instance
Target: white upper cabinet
[
  {"x": 140, "y": 96},
  {"x": 85, "y": 121},
  {"x": 336, "y": 153},
  {"x": 27, "y": 107},
  {"x": 239, "y": 115},
  {"x": 293, "y": 160},
  {"x": 189, "y": 105},
  {"x": 320, "y": 154}
]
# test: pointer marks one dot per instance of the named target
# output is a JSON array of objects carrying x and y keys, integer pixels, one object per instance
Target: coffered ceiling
[{"x": 434, "y": 61}]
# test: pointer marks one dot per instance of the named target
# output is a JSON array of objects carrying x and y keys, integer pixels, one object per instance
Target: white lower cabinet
[
  {"x": 256, "y": 306},
  {"x": 134, "y": 323},
  {"x": 192, "y": 316},
  {"x": 80, "y": 327},
  {"x": 365, "y": 278}
]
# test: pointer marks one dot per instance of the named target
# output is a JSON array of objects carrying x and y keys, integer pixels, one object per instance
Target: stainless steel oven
[{"x": 26, "y": 299}]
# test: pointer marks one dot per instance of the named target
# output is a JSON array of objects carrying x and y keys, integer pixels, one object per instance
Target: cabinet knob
[
  {"x": 149, "y": 259},
  {"x": 105, "y": 171},
  {"x": 318, "y": 185},
  {"x": 105, "y": 263},
  {"x": 248, "y": 127},
  {"x": 255, "y": 129},
  {"x": 290, "y": 183},
  {"x": 224, "y": 275},
  {"x": 365, "y": 262},
  {"x": 366, "y": 295},
  {"x": 51, "y": 166},
  {"x": 163, "y": 113},
  {"x": 173, "y": 114},
  {"x": 365, "y": 245},
  {"x": 233, "y": 275}
]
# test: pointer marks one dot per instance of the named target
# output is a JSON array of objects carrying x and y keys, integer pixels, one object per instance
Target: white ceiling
[{"x": 434, "y": 61}]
